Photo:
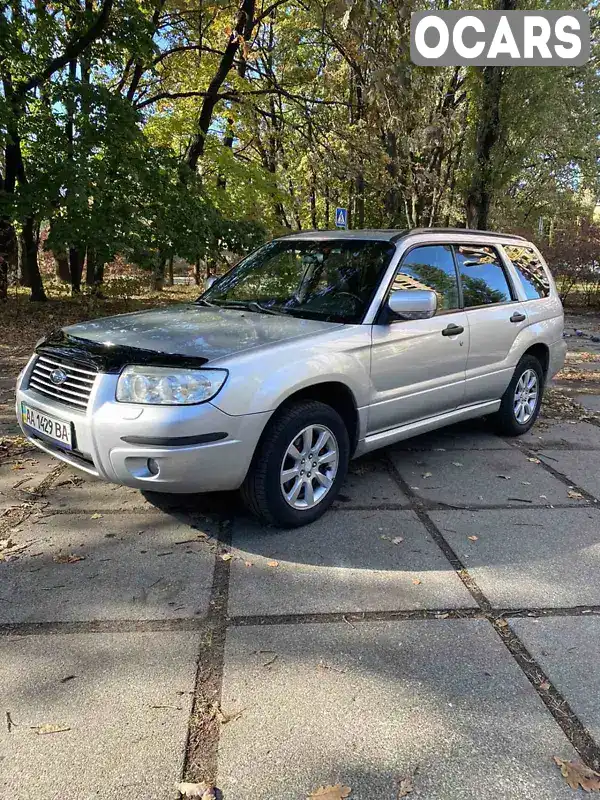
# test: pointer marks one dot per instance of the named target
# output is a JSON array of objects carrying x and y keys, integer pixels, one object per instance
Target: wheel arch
[
  {"x": 333, "y": 393},
  {"x": 540, "y": 351}
]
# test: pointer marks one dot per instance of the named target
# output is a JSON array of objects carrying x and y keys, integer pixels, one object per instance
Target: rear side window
[
  {"x": 430, "y": 267},
  {"x": 531, "y": 271},
  {"x": 484, "y": 281}
]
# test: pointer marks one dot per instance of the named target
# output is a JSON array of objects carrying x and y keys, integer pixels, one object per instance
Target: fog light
[{"x": 153, "y": 466}]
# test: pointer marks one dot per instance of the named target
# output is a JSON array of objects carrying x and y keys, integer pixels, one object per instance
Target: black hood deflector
[{"x": 111, "y": 358}]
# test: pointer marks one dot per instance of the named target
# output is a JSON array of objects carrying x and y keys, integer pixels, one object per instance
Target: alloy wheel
[
  {"x": 309, "y": 467},
  {"x": 526, "y": 396}
]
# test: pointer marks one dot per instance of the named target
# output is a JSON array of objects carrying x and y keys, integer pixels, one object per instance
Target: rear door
[
  {"x": 495, "y": 318},
  {"x": 418, "y": 366}
]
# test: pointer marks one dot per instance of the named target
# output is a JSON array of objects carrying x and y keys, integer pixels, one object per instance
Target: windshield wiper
[{"x": 250, "y": 305}]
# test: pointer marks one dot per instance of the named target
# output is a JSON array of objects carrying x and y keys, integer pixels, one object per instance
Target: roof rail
[{"x": 461, "y": 231}]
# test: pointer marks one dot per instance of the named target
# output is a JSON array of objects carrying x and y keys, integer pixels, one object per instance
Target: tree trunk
[
  {"x": 8, "y": 255},
  {"x": 76, "y": 269},
  {"x": 313, "y": 201},
  {"x": 94, "y": 272},
  {"x": 197, "y": 276},
  {"x": 30, "y": 260},
  {"x": 244, "y": 23},
  {"x": 170, "y": 280},
  {"x": 391, "y": 196},
  {"x": 63, "y": 273},
  {"x": 7, "y": 246},
  {"x": 158, "y": 274},
  {"x": 488, "y": 134},
  {"x": 90, "y": 267}
]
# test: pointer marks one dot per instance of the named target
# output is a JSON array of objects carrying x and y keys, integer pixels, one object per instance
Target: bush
[{"x": 574, "y": 259}]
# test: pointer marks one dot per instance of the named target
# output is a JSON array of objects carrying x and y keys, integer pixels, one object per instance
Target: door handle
[
  {"x": 518, "y": 317},
  {"x": 453, "y": 330}
]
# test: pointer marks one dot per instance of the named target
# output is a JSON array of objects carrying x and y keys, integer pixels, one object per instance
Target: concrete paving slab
[
  {"x": 133, "y": 568},
  {"x": 563, "y": 434},
  {"x": 471, "y": 435},
  {"x": 528, "y": 558},
  {"x": 347, "y": 561},
  {"x": 583, "y": 468},
  {"x": 367, "y": 705},
  {"x": 75, "y": 491},
  {"x": 20, "y": 477},
  {"x": 126, "y": 704},
  {"x": 589, "y": 401},
  {"x": 369, "y": 483},
  {"x": 568, "y": 649},
  {"x": 477, "y": 478},
  {"x": 9, "y": 425}
]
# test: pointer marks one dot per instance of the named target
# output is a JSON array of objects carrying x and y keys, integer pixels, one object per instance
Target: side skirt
[{"x": 376, "y": 440}]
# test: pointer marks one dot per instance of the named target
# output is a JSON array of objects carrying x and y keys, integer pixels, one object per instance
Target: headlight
[{"x": 162, "y": 386}]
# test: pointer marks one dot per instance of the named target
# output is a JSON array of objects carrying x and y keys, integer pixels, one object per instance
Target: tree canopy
[{"x": 161, "y": 128}]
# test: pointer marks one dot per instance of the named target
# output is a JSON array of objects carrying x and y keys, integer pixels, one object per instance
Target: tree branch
[{"x": 72, "y": 51}]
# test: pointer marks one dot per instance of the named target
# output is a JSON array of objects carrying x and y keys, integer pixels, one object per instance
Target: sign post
[{"x": 341, "y": 218}]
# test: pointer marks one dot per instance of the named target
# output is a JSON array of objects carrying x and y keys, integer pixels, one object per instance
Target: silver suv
[{"x": 316, "y": 348}]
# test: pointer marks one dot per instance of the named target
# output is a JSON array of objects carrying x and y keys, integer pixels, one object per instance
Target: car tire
[
  {"x": 264, "y": 491},
  {"x": 513, "y": 419}
]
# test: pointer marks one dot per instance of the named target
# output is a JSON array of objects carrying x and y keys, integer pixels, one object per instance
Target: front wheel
[
  {"x": 522, "y": 400},
  {"x": 299, "y": 465}
]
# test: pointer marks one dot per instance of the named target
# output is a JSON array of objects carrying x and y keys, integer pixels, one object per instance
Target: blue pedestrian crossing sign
[{"x": 341, "y": 218}]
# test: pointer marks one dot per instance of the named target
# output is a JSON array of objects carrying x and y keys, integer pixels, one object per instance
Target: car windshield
[{"x": 332, "y": 280}]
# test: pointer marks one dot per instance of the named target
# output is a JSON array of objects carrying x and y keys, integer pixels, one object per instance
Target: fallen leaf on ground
[
  {"x": 216, "y": 712},
  {"x": 337, "y": 792},
  {"x": 416, "y": 581},
  {"x": 505, "y": 477},
  {"x": 427, "y": 474},
  {"x": 405, "y": 786},
  {"x": 226, "y": 556},
  {"x": 472, "y": 538},
  {"x": 67, "y": 558},
  {"x": 534, "y": 460},
  {"x": 248, "y": 563},
  {"x": 96, "y": 516},
  {"x": 48, "y": 727},
  {"x": 457, "y": 464},
  {"x": 574, "y": 495},
  {"x": 545, "y": 685},
  {"x": 397, "y": 540},
  {"x": 202, "y": 790},
  {"x": 273, "y": 564},
  {"x": 577, "y": 774}
]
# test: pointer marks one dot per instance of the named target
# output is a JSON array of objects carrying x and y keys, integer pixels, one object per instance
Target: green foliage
[{"x": 320, "y": 107}]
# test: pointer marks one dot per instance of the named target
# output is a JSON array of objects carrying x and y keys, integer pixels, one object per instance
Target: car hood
[{"x": 192, "y": 331}]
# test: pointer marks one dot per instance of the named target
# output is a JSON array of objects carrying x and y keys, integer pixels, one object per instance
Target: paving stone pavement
[{"x": 443, "y": 626}]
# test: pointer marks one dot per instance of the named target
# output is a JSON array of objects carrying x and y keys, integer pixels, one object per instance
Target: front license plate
[{"x": 51, "y": 427}]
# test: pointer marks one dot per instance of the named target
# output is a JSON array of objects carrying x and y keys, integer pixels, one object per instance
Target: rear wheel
[
  {"x": 522, "y": 400},
  {"x": 299, "y": 465}
]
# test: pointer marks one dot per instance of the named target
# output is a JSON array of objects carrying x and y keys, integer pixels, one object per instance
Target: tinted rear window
[
  {"x": 482, "y": 275},
  {"x": 531, "y": 271}
]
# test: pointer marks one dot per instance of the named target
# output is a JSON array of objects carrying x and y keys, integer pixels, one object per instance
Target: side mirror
[
  {"x": 413, "y": 303},
  {"x": 208, "y": 282}
]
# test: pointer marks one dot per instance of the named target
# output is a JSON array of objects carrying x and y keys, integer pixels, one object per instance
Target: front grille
[{"x": 75, "y": 391}]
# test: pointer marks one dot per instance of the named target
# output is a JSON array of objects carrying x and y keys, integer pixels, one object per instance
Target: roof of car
[{"x": 392, "y": 234}]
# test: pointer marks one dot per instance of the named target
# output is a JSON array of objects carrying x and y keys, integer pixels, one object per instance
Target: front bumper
[{"x": 100, "y": 449}]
